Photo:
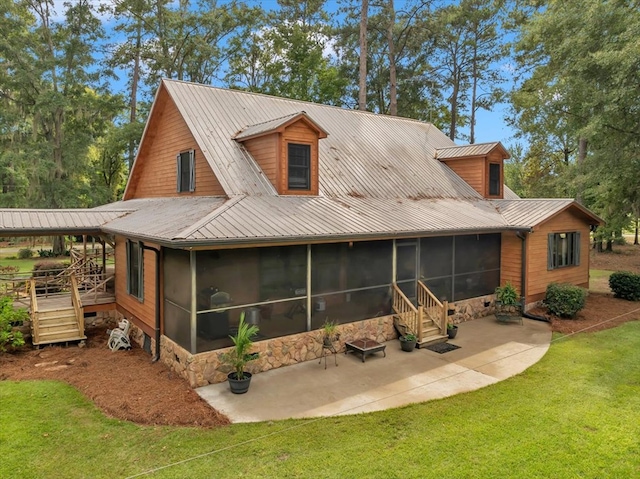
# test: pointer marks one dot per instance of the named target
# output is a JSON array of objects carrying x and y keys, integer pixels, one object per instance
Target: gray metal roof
[
  {"x": 42, "y": 221},
  {"x": 365, "y": 155},
  {"x": 464, "y": 151},
  {"x": 272, "y": 125},
  {"x": 162, "y": 219},
  {"x": 531, "y": 212}
]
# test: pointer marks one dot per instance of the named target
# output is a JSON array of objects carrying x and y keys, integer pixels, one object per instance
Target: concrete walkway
[{"x": 489, "y": 352}]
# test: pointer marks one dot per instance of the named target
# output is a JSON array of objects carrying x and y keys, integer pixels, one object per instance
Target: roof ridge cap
[{"x": 207, "y": 218}]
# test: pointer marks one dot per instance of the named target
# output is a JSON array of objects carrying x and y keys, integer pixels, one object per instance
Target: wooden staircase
[
  {"x": 59, "y": 323},
  {"x": 427, "y": 320}
]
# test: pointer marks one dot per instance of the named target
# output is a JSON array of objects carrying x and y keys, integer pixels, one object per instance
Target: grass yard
[
  {"x": 599, "y": 280},
  {"x": 574, "y": 414}
]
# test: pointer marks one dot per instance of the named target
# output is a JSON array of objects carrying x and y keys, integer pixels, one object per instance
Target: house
[{"x": 295, "y": 213}]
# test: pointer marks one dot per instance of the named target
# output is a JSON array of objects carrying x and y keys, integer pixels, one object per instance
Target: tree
[{"x": 362, "y": 74}]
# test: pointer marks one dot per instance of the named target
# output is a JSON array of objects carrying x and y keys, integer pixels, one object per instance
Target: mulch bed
[{"x": 124, "y": 384}]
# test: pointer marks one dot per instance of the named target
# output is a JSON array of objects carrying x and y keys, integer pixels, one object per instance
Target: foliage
[
  {"x": 48, "y": 268},
  {"x": 9, "y": 317},
  {"x": 239, "y": 356},
  {"x": 46, "y": 253},
  {"x": 408, "y": 337},
  {"x": 625, "y": 285},
  {"x": 565, "y": 300},
  {"x": 329, "y": 329},
  {"x": 25, "y": 253},
  {"x": 507, "y": 294},
  {"x": 451, "y": 326}
]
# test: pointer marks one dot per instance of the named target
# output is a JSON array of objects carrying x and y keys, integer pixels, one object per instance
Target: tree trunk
[
  {"x": 393, "y": 97},
  {"x": 582, "y": 155},
  {"x": 133, "y": 103},
  {"x": 610, "y": 245},
  {"x": 474, "y": 95},
  {"x": 58, "y": 245},
  {"x": 635, "y": 239},
  {"x": 362, "y": 93}
]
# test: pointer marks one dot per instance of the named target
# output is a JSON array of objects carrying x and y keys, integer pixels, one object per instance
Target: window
[
  {"x": 186, "y": 171},
  {"x": 135, "y": 276},
  {"x": 494, "y": 179},
  {"x": 299, "y": 167},
  {"x": 563, "y": 250}
]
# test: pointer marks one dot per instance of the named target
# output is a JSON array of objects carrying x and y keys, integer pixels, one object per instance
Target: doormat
[{"x": 442, "y": 348}]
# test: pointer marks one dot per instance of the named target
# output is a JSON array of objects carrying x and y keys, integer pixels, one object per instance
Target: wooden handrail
[
  {"x": 35, "y": 325},
  {"x": 77, "y": 304},
  {"x": 410, "y": 316},
  {"x": 432, "y": 307}
]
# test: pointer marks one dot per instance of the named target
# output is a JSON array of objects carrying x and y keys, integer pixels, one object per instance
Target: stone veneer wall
[
  {"x": 206, "y": 368},
  {"x": 473, "y": 308}
]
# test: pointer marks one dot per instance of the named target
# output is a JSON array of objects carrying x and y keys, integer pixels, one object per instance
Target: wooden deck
[{"x": 92, "y": 302}]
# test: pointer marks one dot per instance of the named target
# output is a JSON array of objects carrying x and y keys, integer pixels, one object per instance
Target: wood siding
[
  {"x": 470, "y": 170},
  {"x": 264, "y": 150},
  {"x": 141, "y": 312},
  {"x": 155, "y": 171},
  {"x": 511, "y": 260},
  {"x": 538, "y": 277},
  {"x": 298, "y": 132}
]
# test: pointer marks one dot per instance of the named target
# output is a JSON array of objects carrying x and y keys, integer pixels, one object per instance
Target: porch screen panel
[
  {"x": 477, "y": 265},
  {"x": 177, "y": 296},
  {"x": 350, "y": 281},
  {"x": 436, "y": 266}
]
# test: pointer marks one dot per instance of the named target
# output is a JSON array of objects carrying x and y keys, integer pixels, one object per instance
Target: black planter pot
[
  {"x": 407, "y": 346},
  {"x": 451, "y": 332},
  {"x": 239, "y": 386}
]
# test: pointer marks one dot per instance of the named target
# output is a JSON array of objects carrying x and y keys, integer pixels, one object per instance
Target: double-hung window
[
  {"x": 299, "y": 166},
  {"x": 563, "y": 250},
  {"x": 135, "y": 273},
  {"x": 186, "y": 171}
]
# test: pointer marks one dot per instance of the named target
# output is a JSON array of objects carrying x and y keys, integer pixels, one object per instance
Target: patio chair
[{"x": 119, "y": 337}]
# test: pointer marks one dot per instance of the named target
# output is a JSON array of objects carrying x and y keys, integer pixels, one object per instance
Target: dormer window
[
  {"x": 299, "y": 166},
  {"x": 494, "y": 179},
  {"x": 186, "y": 171}
]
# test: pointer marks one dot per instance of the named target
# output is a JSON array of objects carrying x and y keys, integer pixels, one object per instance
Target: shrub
[
  {"x": 565, "y": 300},
  {"x": 46, "y": 253},
  {"x": 8, "y": 318},
  {"x": 507, "y": 294},
  {"x": 625, "y": 285},
  {"x": 25, "y": 253}
]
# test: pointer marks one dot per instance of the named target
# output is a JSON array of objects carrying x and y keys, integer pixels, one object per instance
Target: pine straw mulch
[{"x": 124, "y": 384}]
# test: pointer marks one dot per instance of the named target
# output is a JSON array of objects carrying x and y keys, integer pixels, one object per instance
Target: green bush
[
  {"x": 625, "y": 285},
  {"x": 8, "y": 318},
  {"x": 25, "y": 253},
  {"x": 565, "y": 300},
  {"x": 46, "y": 253}
]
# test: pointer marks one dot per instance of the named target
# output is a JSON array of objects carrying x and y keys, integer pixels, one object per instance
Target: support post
[
  {"x": 309, "y": 305},
  {"x": 194, "y": 317}
]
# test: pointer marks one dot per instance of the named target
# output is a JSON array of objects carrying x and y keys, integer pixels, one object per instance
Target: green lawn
[
  {"x": 574, "y": 414},
  {"x": 599, "y": 280}
]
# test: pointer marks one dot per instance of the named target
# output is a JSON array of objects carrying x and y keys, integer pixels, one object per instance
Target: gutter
[{"x": 156, "y": 356}]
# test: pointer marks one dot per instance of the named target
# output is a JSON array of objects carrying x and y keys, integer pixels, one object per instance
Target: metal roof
[
  {"x": 365, "y": 155},
  {"x": 531, "y": 212},
  {"x": 42, "y": 221},
  {"x": 275, "y": 124},
  {"x": 465, "y": 151}
]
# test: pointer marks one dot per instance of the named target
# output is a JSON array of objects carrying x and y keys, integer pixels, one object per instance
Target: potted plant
[
  {"x": 239, "y": 356},
  {"x": 408, "y": 342},
  {"x": 452, "y": 330},
  {"x": 507, "y": 305},
  {"x": 329, "y": 334}
]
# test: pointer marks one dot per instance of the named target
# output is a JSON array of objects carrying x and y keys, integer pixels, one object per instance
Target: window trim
[
  {"x": 190, "y": 188},
  {"x": 309, "y": 147},
  {"x": 140, "y": 279},
  {"x": 572, "y": 253}
]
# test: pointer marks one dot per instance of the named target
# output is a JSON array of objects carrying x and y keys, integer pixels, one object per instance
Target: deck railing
[
  {"x": 77, "y": 304},
  {"x": 408, "y": 314},
  {"x": 433, "y": 308},
  {"x": 31, "y": 286}
]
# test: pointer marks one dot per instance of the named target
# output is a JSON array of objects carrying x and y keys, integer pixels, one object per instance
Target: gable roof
[
  {"x": 466, "y": 151},
  {"x": 278, "y": 124},
  {"x": 530, "y": 212},
  {"x": 366, "y": 155}
]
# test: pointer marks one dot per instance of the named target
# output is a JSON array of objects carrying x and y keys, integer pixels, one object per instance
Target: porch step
[
  {"x": 56, "y": 326},
  {"x": 432, "y": 339},
  {"x": 56, "y": 314}
]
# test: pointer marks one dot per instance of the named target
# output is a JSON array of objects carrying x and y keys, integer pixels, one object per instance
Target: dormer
[
  {"x": 481, "y": 165},
  {"x": 286, "y": 149}
]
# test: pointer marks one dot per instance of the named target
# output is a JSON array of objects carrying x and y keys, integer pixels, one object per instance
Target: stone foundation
[
  {"x": 206, "y": 368},
  {"x": 473, "y": 308}
]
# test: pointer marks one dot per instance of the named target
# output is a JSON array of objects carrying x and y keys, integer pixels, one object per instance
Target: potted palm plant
[
  {"x": 238, "y": 357},
  {"x": 408, "y": 342}
]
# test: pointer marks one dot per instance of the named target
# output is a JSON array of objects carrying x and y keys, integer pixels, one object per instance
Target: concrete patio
[{"x": 489, "y": 352}]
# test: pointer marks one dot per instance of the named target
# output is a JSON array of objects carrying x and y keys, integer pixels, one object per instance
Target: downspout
[
  {"x": 523, "y": 280},
  {"x": 156, "y": 355}
]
